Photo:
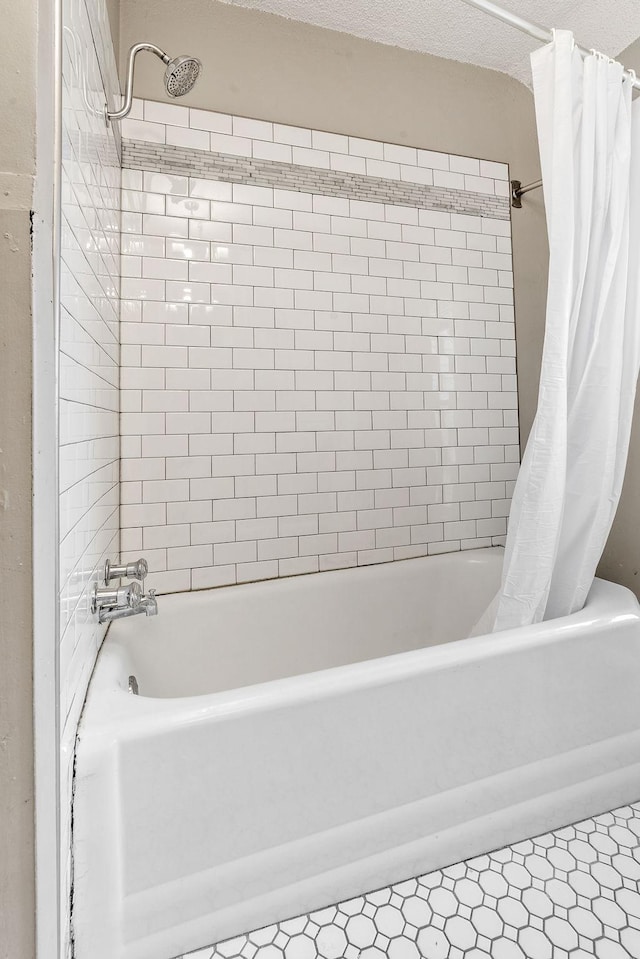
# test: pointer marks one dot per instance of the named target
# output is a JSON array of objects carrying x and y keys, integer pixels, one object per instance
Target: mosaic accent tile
[
  {"x": 570, "y": 894},
  {"x": 184, "y": 161}
]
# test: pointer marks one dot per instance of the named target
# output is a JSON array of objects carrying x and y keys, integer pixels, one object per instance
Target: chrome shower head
[
  {"x": 181, "y": 75},
  {"x": 179, "y": 78}
]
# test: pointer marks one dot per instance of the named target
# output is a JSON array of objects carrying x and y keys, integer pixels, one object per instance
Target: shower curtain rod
[
  {"x": 526, "y": 26},
  {"x": 545, "y": 36}
]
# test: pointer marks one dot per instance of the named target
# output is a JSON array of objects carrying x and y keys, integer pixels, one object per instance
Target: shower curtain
[{"x": 572, "y": 471}]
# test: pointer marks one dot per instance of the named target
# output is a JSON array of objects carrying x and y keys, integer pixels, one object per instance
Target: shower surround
[
  {"x": 88, "y": 380},
  {"x": 318, "y": 359}
]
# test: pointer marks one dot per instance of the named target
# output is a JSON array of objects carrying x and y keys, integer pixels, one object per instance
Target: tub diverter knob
[{"x": 136, "y": 570}]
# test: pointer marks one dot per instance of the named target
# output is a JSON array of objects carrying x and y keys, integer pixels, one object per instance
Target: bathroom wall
[
  {"x": 318, "y": 360},
  {"x": 18, "y": 52},
  {"x": 265, "y": 66},
  {"x": 621, "y": 558},
  {"x": 113, "y": 12},
  {"x": 89, "y": 374}
]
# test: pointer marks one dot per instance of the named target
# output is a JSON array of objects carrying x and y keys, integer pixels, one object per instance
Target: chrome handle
[
  {"x": 137, "y": 570},
  {"x": 124, "y": 597},
  {"x": 150, "y": 603}
]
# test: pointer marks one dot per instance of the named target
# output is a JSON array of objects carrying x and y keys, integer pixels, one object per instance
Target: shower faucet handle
[
  {"x": 136, "y": 570},
  {"x": 123, "y": 597}
]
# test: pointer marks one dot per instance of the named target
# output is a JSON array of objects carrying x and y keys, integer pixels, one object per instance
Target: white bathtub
[{"x": 302, "y": 741}]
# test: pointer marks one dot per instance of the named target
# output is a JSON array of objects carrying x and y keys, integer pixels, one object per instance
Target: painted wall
[
  {"x": 318, "y": 360},
  {"x": 621, "y": 559},
  {"x": 263, "y": 66},
  {"x": 113, "y": 11},
  {"x": 89, "y": 371},
  {"x": 18, "y": 42}
]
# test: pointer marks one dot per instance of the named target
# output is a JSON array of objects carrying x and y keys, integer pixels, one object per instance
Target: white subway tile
[
  {"x": 165, "y": 225},
  {"x": 163, "y": 491},
  {"x": 139, "y": 245},
  {"x": 278, "y": 548},
  {"x": 467, "y": 165},
  {"x": 311, "y": 158},
  {"x": 191, "y": 207},
  {"x": 266, "y": 150},
  {"x": 189, "y": 512},
  {"x": 207, "y": 120},
  {"x": 216, "y": 272},
  {"x": 211, "y": 190},
  {"x": 165, "y": 269},
  {"x": 160, "y": 537},
  {"x": 186, "y": 557},
  {"x": 159, "y": 312},
  {"x": 436, "y": 161},
  {"x": 348, "y": 164},
  {"x": 296, "y": 136},
  {"x": 134, "y": 288},
  {"x": 498, "y": 171},
  {"x": 478, "y": 184},
  {"x": 187, "y": 335},
  {"x": 143, "y": 130},
  {"x": 167, "y": 113},
  {"x": 163, "y": 445},
  {"x": 449, "y": 180},
  {"x": 188, "y": 422},
  {"x": 254, "y": 129},
  {"x": 412, "y": 174},
  {"x": 137, "y": 201},
  {"x": 252, "y": 195},
  {"x": 187, "y": 138},
  {"x": 233, "y": 145},
  {"x": 366, "y": 148}
]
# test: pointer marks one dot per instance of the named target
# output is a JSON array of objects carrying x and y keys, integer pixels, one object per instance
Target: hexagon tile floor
[{"x": 570, "y": 894}]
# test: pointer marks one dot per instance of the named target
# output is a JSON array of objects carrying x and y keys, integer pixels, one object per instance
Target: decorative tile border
[
  {"x": 186, "y": 161},
  {"x": 572, "y": 893}
]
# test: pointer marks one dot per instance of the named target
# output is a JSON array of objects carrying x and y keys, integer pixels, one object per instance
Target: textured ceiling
[{"x": 452, "y": 29}]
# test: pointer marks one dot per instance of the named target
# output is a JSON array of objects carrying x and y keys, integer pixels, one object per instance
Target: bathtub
[{"x": 298, "y": 742}]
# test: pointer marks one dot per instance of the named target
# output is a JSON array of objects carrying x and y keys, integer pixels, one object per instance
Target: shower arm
[{"x": 128, "y": 96}]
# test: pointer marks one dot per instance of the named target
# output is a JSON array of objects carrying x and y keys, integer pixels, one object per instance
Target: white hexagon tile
[{"x": 570, "y": 894}]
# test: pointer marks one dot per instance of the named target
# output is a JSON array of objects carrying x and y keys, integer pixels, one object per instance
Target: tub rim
[{"x": 112, "y": 711}]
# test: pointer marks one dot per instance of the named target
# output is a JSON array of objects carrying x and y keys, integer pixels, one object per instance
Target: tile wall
[
  {"x": 318, "y": 353},
  {"x": 89, "y": 371}
]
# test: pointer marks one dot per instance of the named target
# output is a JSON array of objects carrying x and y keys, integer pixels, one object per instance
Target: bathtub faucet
[{"x": 118, "y": 602}]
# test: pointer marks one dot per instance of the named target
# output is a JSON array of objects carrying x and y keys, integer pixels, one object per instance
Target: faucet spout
[
  {"x": 112, "y": 603},
  {"x": 148, "y": 605}
]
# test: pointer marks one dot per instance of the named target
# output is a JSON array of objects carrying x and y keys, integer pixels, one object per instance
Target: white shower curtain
[{"x": 572, "y": 471}]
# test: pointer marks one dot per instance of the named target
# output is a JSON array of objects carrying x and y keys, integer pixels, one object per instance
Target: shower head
[
  {"x": 179, "y": 78},
  {"x": 181, "y": 75}
]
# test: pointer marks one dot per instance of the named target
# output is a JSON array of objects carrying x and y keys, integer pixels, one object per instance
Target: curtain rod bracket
[
  {"x": 518, "y": 191},
  {"x": 516, "y": 198}
]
